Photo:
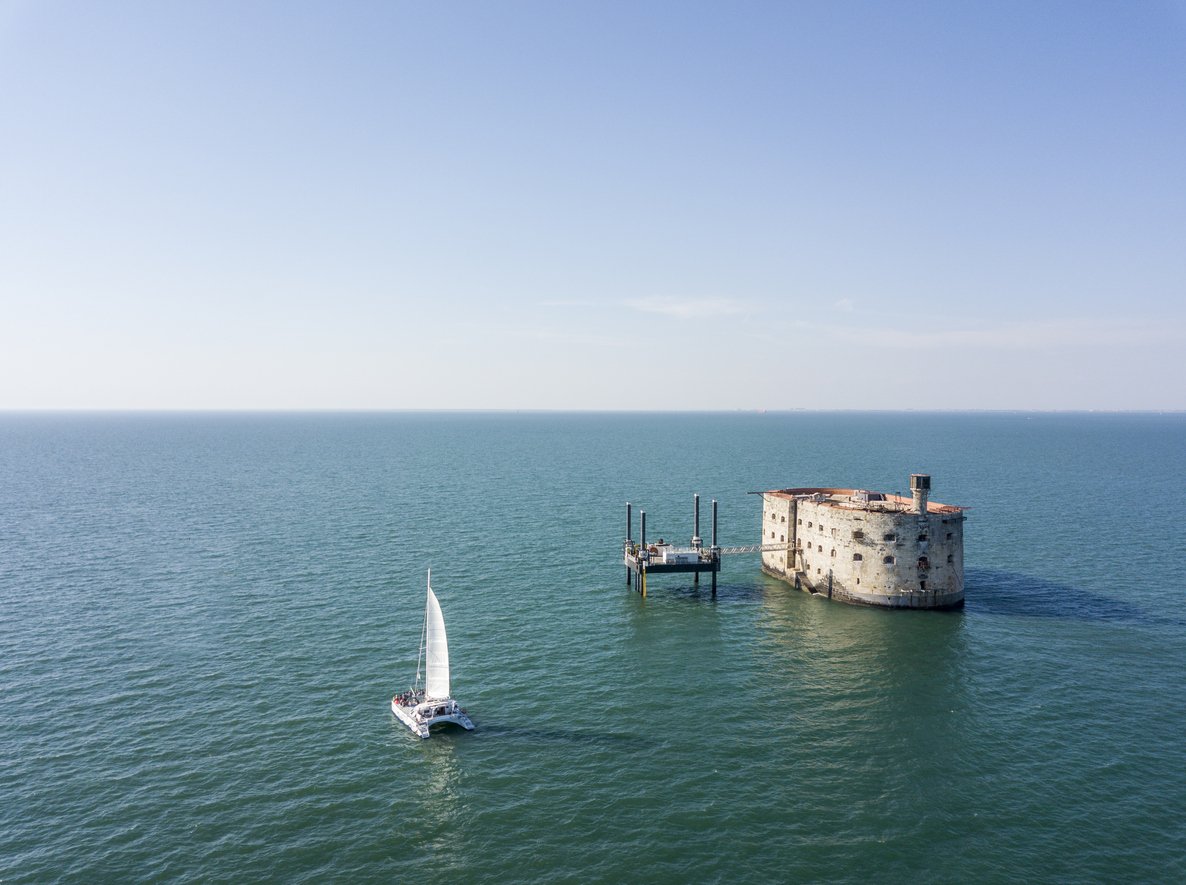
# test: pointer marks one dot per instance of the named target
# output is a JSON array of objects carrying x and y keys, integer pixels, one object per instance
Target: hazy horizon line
[{"x": 266, "y": 410}]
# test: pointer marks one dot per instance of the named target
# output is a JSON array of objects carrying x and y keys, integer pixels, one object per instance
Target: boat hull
[{"x": 420, "y": 720}]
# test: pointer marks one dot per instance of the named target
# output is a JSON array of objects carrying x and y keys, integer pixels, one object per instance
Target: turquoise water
[{"x": 203, "y": 618}]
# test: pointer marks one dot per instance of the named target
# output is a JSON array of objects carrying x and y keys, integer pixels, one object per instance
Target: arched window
[{"x": 856, "y": 557}]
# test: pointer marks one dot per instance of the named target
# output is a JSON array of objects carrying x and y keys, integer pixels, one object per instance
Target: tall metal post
[
  {"x": 716, "y": 554},
  {"x": 696, "y": 534},
  {"x": 626, "y": 549},
  {"x": 642, "y": 555}
]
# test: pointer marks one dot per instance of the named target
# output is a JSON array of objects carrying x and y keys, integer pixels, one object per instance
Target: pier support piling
[
  {"x": 715, "y": 550},
  {"x": 629, "y": 530}
]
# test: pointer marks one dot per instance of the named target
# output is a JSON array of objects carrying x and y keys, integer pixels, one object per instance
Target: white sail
[{"x": 436, "y": 648}]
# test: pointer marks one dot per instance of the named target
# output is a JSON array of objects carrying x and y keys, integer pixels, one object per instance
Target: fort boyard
[{"x": 866, "y": 548}]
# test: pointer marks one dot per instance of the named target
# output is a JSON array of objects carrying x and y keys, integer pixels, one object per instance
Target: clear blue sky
[{"x": 593, "y": 205}]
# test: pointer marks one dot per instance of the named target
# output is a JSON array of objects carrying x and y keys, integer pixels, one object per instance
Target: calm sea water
[{"x": 203, "y": 618}]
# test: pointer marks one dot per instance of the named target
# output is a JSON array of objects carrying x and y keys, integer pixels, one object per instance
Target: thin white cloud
[
  {"x": 844, "y": 304},
  {"x": 687, "y": 308}
]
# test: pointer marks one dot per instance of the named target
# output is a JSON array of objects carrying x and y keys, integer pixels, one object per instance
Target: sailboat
[{"x": 424, "y": 706}]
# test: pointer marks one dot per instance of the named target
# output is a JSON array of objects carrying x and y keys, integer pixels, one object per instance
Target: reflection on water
[
  {"x": 865, "y": 681},
  {"x": 427, "y": 798}
]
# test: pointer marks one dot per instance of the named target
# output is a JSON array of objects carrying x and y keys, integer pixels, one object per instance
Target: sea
[{"x": 203, "y": 618}]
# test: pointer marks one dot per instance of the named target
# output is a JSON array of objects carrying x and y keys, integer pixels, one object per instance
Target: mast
[{"x": 423, "y": 632}]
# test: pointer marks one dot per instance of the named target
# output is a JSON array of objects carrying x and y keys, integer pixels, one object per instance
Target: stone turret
[{"x": 920, "y": 486}]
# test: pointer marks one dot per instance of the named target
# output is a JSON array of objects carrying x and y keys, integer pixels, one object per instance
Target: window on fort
[
  {"x": 889, "y": 560},
  {"x": 819, "y": 549},
  {"x": 856, "y": 557},
  {"x": 923, "y": 562},
  {"x": 833, "y": 552},
  {"x": 890, "y": 536},
  {"x": 772, "y": 536},
  {"x": 922, "y": 585},
  {"x": 808, "y": 524},
  {"x": 800, "y": 522},
  {"x": 950, "y": 558},
  {"x": 949, "y": 536},
  {"x": 922, "y": 537},
  {"x": 784, "y": 519},
  {"x": 782, "y": 537},
  {"x": 858, "y": 535}
]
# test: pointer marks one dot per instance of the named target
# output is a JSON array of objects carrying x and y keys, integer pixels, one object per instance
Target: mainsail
[{"x": 436, "y": 647}]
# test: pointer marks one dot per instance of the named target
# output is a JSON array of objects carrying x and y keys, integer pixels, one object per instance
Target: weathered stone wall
[
  {"x": 865, "y": 555},
  {"x": 778, "y": 526}
]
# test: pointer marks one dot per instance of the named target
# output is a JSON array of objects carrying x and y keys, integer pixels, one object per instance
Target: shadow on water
[
  {"x": 558, "y": 736},
  {"x": 999, "y": 592}
]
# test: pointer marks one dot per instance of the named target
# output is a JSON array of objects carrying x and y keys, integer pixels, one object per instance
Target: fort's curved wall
[{"x": 872, "y": 553}]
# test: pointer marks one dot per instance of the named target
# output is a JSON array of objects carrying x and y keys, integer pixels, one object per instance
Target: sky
[{"x": 593, "y": 205}]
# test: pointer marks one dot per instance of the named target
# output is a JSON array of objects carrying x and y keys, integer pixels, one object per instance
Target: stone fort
[{"x": 867, "y": 548}]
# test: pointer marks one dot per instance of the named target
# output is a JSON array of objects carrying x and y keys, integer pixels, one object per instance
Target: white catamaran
[{"x": 421, "y": 707}]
